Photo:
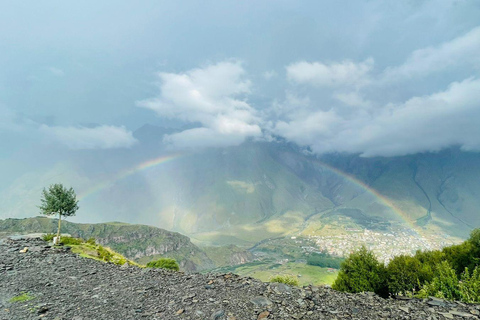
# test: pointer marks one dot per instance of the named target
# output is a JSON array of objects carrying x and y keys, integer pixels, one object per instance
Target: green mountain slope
[
  {"x": 137, "y": 242},
  {"x": 259, "y": 190}
]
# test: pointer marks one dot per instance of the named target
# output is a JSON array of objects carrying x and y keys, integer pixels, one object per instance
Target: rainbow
[
  {"x": 384, "y": 200},
  {"x": 122, "y": 175},
  {"x": 164, "y": 159}
]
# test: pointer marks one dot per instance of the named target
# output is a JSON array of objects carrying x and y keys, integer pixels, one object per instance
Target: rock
[
  {"x": 218, "y": 314},
  {"x": 65, "y": 286},
  {"x": 404, "y": 309},
  {"x": 261, "y": 301},
  {"x": 180, "y": 311},
  {"x": 446, "y": 315},
  {"x": 24, "y": 250},
  {"x": 461, "y": 314},
  {"x": 437, "y": 302}
]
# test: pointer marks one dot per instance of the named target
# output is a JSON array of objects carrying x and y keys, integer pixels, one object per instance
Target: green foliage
[
  {"x": 361, "y": 272},
  {"x": 324, "y": 260},
  {"x": 48, "y": 237},
  {"x": 71, "y": 241},
  {"x": 104, "y": 254},
  {"x": 286, "y": 279},
  {"x": 21, "y": 298},
  {"x": 460, "y": 256},
  {"x": 470, "y": 286},
  {"x": 164, "y": 263},
  {"x": 91, "y": 241},
  {"x": 441, "y": 273},
  {"x": 59, "y": 200},
  {"x": 402, "y": 274},
  {"x": 444, "y": 285}
]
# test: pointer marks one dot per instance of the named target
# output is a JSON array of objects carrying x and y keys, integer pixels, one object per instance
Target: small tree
[
  {"x": 402, "y": 274},
  {"x": 361, "y": 272},
  {"x": 58, "y": 200}
]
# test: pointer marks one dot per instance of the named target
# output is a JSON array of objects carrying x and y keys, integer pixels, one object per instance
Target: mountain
[
  {"x": 261, "y": 190},
  {"x": 137, "y": 242}
]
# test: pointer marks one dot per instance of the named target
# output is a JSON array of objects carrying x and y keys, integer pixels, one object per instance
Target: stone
[
  {"x": 461, "y": 314},
  {"x": 218, "y": 314},
  {"x": 261, "y": 301},
  {"x": 404, "y": 309},
  {"x": 80, "y": 289},
  {"x": 180, "y": 311}
]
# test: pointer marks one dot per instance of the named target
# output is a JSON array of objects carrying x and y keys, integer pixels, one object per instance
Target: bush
[
  {"x": 104, "y": 254},
  {"x": 70, "y": 241},
  {"x": 470, "y": 286},
  {"x": 402, "y": 274},
  {"x": 164, "y": 263},
  {"x": 48, "y": 236},
  {"x": 444, "y": 285},
  {"x": 290, "y": 280},
  {"x": 91, "y": 241},
  {"x": 361, "y": 272}
]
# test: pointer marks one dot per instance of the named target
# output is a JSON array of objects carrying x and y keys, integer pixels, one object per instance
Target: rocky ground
[{"x": 53, "y": 283}]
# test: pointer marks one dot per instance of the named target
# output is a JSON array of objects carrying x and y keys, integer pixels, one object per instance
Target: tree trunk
[{"x": 59, "y": 225}]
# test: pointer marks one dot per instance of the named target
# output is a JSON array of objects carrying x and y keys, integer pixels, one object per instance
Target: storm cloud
[{"x": 367, "y": 77}]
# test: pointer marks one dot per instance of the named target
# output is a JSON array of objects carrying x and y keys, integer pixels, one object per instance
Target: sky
[{"x": 373, "y": 77}]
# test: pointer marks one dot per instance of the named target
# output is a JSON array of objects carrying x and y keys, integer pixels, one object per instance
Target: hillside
[
  {"x": 259, "y": 190},
  {"x": 137, "y": 242},
  {"x": 65, "y": 285}
]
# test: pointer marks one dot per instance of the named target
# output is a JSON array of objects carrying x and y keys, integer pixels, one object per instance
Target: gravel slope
[{"x": 65, "y": 286}]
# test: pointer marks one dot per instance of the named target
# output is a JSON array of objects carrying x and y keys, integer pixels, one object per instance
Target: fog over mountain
[{"x": 270, "y": 113}]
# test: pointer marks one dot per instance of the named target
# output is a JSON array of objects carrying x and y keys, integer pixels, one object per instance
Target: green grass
[
  {"x": 265, "y": 271},
  {"x": 22, "y": 298},
  {"x": 290, "y": 280},
  {"x": 90, "y": 249}
]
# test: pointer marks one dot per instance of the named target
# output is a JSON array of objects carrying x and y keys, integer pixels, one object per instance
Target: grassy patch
[
  {"x": 266, "y": 270},
  {"x": 22, "y": 298},
  {"x": 290, "y": 280},
  {"x": 90, "y": 249}
]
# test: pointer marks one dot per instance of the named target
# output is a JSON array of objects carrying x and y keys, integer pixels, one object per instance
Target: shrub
[
  {"x": 290, "y": 280},
  {"x": 48, "y": 236},
  {"x": 444, "y": 285},
  {"x": 70, "y": 241},
  {"x": 361, "y": 272},
  {"x": 402, "y": 274},
  {"x": 470, "y": 286},
  {"x": 104, "y": 254},
  {"x": 91, "y": 241},
  {"x": 164, "y": 263}
]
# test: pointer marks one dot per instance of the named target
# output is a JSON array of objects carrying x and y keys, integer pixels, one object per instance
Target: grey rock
[
  {"x": 261, "y": 301},
  {"x": 218, "y": 314},
  {"x": 70, "y": 287}
]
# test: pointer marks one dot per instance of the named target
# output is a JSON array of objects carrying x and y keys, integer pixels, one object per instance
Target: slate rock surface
[{"x": 62, "y": 285}]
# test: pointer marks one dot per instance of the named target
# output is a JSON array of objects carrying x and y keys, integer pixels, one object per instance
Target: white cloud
[
  {"x": 459, "y": 51},
  {"x": 428, "y": 123},
  {"x": 353, "y": 99},
  {"x": 338, "y": 74},
  {"x": 213, "y": 96},
  {"x": 101, "y": 137}
]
